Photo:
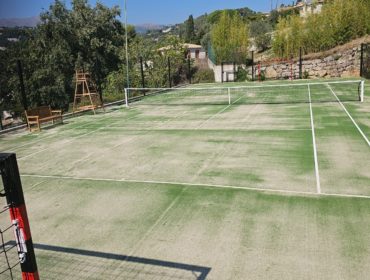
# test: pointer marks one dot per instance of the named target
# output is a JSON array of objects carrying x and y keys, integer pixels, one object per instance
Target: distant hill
[
  {"x": 19, "y": 22},
  {"x": 143, "y": 28}
]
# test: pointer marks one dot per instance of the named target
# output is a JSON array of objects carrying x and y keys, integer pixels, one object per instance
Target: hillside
[
  {"x": 19, "y": 22},
  {"x": 202, "y": 25}
]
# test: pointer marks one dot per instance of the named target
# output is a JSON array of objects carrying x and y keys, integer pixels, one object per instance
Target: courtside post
[
  {"x": 362, "y": 93},
  {"x": 126, "y": 97}
]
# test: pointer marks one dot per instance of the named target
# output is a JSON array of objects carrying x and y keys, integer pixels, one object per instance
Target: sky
[{"x": 143, "y": 11}]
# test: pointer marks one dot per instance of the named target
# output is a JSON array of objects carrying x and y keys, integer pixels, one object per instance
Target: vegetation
[
  {"x": 204, "y": 76},
  {"x": 190, "y": 31},
  {"x": 155, "y": 66},
  {"x": 339, "y": 22},
  {"x": 229, "y": 39},
  {"x": 261, "y": 32},
  {"x": 66, "y": 40},
  {"x": 89, "y": 38},
  {"x": 241, "y": 75},
  {"x": 92, "y": 38}
]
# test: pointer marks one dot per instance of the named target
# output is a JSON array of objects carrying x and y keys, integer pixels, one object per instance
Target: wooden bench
[{"x": 41, "y": 114}]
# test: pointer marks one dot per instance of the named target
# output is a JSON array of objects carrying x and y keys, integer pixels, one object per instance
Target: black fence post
[
  {"x": 142, "y": 72},
  {"x": 362, "y": 61},
  {"x": 189, "y": 71},
  {"x": 1, "y": 121},
  {"x": 21, "y": 85},
  {"x": 300, "y": 63},
  {"x": 222, "y": 72},
  {"x": 252, "y": 66},
  {"x": 169, "y": 73}
]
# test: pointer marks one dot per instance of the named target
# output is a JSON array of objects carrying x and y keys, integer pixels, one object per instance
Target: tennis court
[{"x": 270, "y": 181}]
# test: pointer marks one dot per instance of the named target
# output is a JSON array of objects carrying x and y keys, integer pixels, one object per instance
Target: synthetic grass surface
[
  {"x": 150, "y": 192},
  {"x": 234, "y": 233}
]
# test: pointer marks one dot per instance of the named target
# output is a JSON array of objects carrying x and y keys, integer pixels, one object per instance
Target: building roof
[
  {"x": 192, "y": 46},
  {"x": 186, "y": 46},
  {"x": 300, "y": 4}
]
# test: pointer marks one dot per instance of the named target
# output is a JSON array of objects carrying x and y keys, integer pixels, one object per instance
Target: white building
[
  {"x": 305, "y": 7},
  {"x": 193, "y": 51},
  {"x": 308, "y": 7}
]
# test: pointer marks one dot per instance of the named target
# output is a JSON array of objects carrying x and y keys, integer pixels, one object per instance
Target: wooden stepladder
[{"x": 86, "y": 95}]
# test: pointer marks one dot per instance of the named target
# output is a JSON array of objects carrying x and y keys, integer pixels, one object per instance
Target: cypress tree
[{"x": 190, "y": 30}]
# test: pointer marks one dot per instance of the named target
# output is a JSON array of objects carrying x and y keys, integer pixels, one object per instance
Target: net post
[
  {"x": 18, "y": 213},
  {"x": 362, "y": 91},
  {"x": 126, "y": 97},
  {"x": 229, "y": 95}
]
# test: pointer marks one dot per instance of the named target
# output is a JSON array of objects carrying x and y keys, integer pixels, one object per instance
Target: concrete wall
[{"x": 229, "y": 75}]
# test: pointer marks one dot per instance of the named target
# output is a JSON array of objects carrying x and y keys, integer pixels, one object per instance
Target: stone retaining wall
[{"x": 340, "y": 64}]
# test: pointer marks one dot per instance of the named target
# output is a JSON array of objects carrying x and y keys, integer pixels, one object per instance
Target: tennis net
[{"x": 254, "y": 94}]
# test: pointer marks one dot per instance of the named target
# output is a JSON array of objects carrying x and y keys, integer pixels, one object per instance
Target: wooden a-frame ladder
[{"x": 86, "y": 95}]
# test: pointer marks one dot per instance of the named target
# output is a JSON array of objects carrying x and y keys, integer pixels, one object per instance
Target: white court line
[
  {"x": 39, "y": 139},
  {"x": 149, "y": 130},
  {"x": 159, "y": 126},
  {"x": 160, "y": 218},
  {"x": 214, "y": 129},
  {"x": 315, "y": 194},
  {"x": 73, "y": 139},
  {"x": 127, "y": 140},
  {"x": 318, "y": 186},
  {"x": 36, "y": 185},
  {"x": 219, "y": 112},
  {"x": 344, "y": 108}
]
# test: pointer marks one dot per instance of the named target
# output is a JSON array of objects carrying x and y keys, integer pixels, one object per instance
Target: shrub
[
  {"x": 263, "y": 75},
  {"x": 306, "y": 75},
  {"x": 241, "y": 75},
  {"x": 339, "y": 22},
  {"x": 204, "y": 76}
]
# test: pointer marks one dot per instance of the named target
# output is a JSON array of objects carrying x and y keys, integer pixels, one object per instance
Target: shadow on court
[{"x": 110, "y": 265}]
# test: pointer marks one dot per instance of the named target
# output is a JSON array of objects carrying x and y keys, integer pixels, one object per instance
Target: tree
[
  {"x": 9, "y": 83},
  {"x": 65, "y": 40},
  {"x": 261, "y": 32},
  {"x": 155, "y": 65},
  {"x": 229, "y": 38},
  {"x": 190, "y": 30}
]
